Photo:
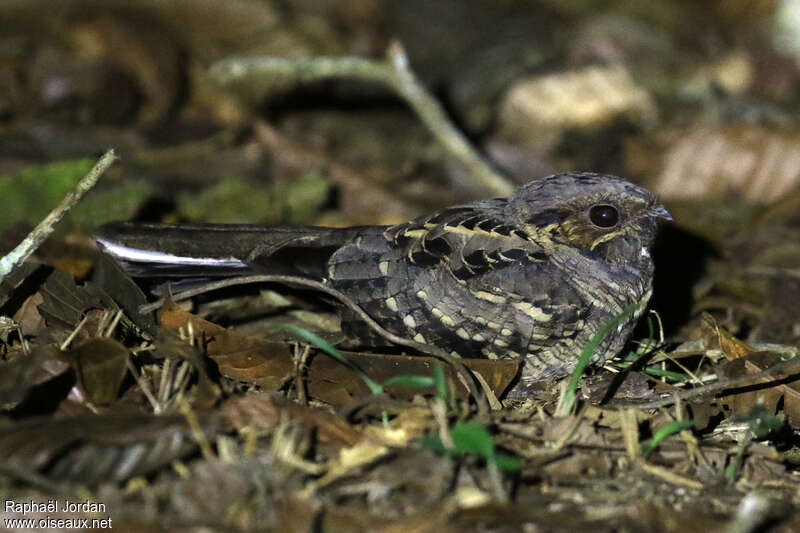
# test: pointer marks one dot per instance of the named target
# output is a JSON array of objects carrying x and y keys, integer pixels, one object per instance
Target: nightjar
[{"x": 531, "y": 277}]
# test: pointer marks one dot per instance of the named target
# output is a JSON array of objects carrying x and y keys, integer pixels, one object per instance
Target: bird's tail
[{"x": 214, "y": 250}]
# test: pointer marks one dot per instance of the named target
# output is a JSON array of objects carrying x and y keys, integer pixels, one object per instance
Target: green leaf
[
  {"x": 669, "y": 374},
  {"x": 658, "y": 371},
  {"x": 568, "y": 399},
  {"x": 669, "y": 429},
  {"x": 508, "y": 463},
  {"x": 410, "y": 381},
  {"x": 467, "y": 441},
  {"x": 471, "y": 438},
  {"x": 434, "y": 443}
]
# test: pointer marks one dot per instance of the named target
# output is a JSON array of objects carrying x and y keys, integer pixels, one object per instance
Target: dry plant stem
[
  {"x": 439, "y": 410},
  {"x": 144, "y": 386},
  {"x": 300, "y": 360},
  {"x": 74, "y": 333},
  {"x": 630, "y": 433},
  {"x": 494, "y": 403},
  {"x": 496, "y": 482},
  {"x": 197, "y": 431},
  {"x": 41, "y": 232},
  {"x": 105, "y": 316},
  {"x": 181, "y": 382},
  {"x": 114, "y": 323},
  {"x": 570, "y": 431},
  {"x": 393, "y": 73},
  {"x": 692, "y": 444},
  {"x": 668, "y": 476},
  {"x": 475, "y": 391},
  {"x": 779, "y": 371},
  {"x": 163, "y": 385}
]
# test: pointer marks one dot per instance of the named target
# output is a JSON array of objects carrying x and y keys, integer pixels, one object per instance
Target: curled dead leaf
[{"x": 239, "y": 357}]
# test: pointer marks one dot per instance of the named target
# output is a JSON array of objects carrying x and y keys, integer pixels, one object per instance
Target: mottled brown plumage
[{"x": 532, "y": 276}]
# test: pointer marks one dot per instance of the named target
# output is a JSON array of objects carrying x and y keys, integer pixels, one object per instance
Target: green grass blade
[
  {"x": 328, "y": 348},
  {"x": 472, "y": 438},
  {"x": 568, "y": 399},
  {"x": 410, "y": 381},
  {"x": 673, "y": 427}
]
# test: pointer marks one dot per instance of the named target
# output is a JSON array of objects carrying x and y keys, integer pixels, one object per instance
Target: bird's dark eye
[{"x": 604, "y": 216}]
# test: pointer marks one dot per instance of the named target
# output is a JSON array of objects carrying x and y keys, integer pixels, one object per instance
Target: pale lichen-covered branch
[{"x": 395, "y": 74}]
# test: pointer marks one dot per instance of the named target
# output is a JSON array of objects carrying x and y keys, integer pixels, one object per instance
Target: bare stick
[
  {"x": 395, "y": 74},
  {"x": 775, "y": 372},
  {"x": 475, "y": 391},
  {"x": 36, "y": 237}
]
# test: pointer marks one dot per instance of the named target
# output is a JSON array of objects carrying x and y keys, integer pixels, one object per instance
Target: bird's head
[{"x": 606, "y": 218}]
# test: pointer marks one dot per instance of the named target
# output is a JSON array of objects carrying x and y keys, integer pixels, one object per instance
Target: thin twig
[
  {"x": 300, "y": 360},
  {"x": 114, "y": 323},
  {"x": 64, "y": 345},
  {"x": 778, "y": 371},
  {"x": 668, "y": 476},
  {"x": 181, "y": 381},
  {"x": 41, "y": 232},
  {"x": 166, "y": 377},
  {"x": 395, "y": 74},
  {"x": 494, "y": 403},
  {"x": 197, "y": 431},
  {"x": 143, "y": 386},
  {"x": 475, "y": 391}
]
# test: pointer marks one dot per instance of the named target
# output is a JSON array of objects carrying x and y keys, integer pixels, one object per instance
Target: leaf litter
[
  {"x": 237, "y": 402},
  {"x": 209, "y": 414}
]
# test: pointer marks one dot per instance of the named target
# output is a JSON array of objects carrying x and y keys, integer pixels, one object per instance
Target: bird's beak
[{"x": 660, "y": 212}]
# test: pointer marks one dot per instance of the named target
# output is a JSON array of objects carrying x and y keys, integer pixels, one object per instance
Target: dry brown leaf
[
  {"x": 256, "y": 411},
  {"x": 732, "y": 347},
  {"x": 263, "y": 412},
  {"x": 100, "y": 364},
  {"x": 715, "y": 162},
  {"x": 240, "y": 357},
  {"x": 28, "y": 317},
  {"x": 330, "y": 428},
  {"x": 19, "y": 376},
  {"x": 332, "y": 382},
  {"x": 64, "y": 302},
  {"x": 771, "y": 397},
  {"x": 269, "y": 364}
]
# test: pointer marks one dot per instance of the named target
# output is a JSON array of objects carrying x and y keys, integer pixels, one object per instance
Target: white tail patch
[{"x": 137, "y": 255}]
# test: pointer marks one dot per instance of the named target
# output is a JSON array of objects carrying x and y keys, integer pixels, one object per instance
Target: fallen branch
[
  {"x": 41, "y": 232},
  {"x": 776, "y": 372},
  {"x": 395, "y": 74}
]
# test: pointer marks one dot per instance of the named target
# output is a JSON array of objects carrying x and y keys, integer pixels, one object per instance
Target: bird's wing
[{"x": 468, "y": 240}]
